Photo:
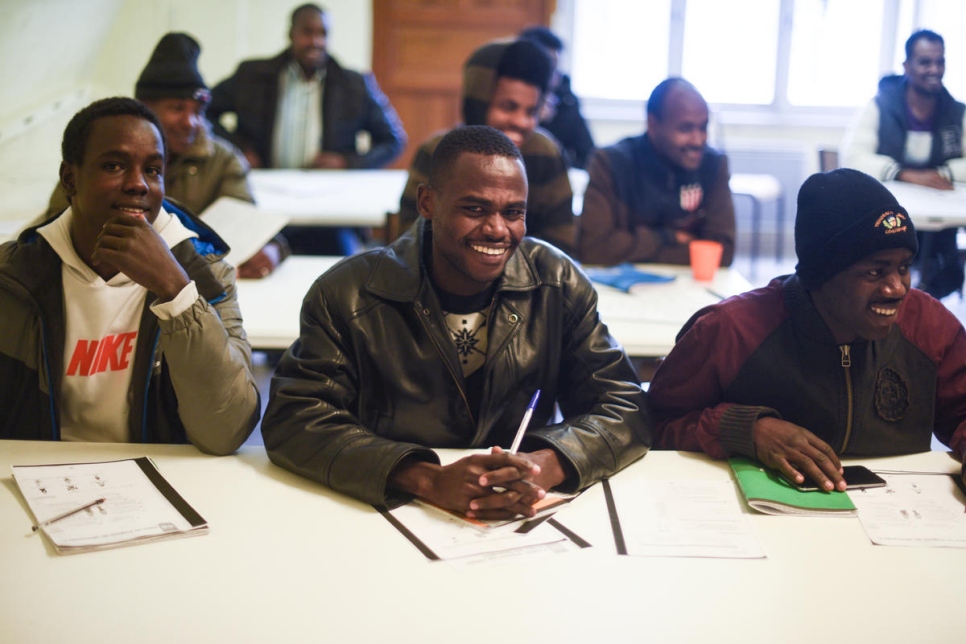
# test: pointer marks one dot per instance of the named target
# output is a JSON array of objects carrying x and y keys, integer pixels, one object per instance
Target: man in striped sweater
[{"x": 504, "y": 84}]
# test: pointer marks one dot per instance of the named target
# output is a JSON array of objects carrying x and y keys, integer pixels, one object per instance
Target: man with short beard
[
  {"x": 504, "y": 84},
  {"x": 649, "y": 196},
  {"x": 913, "y": 131},
  {"x": 440, "y": 340}
]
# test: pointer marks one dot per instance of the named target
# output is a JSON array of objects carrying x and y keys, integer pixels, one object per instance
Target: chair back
[{"x": 828, "y": 159}]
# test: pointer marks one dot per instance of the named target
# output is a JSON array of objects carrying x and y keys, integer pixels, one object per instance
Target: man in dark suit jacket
[{"x": 350, "y": 103}]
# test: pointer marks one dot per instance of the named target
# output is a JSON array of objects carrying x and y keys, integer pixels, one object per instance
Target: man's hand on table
[
  {"x": 925, "y": 177},
  {"x": 796, "y": 453},
  {"x": 262, "y": 263},
  {"x": 498, "y": 485},
  {"x": 330, "y": 161}
]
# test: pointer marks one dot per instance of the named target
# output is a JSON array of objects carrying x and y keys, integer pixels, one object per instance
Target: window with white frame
[{"x": 784, "y": 56}]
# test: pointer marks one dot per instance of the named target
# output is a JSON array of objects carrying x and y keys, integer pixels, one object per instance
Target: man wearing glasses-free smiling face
[{"x": 441, "y": 340}]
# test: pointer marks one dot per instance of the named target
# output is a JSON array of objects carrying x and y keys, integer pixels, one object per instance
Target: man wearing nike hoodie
[{"x": 120, "y": 321}]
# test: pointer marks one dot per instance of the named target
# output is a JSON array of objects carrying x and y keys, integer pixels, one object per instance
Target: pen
[
  {"x": 523, "y": 423},
  {"x": 67, "y": 514}
]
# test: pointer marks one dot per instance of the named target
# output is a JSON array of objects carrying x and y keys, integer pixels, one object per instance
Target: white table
[
  {"x": 931, "y": 209},
  {"x": 646, "y": 323},
  {"x": 350, "y": 198},
  {"x": 290, "y": 561},
  {"x": 353, "y": 198}
]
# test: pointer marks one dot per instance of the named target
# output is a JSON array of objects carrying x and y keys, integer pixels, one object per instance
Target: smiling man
[
  {"x": 120, "y": 321},
  {"x": 504, "y": 85},
  {"x": 200, "y": 166},
  {"x": 303, "y": 109},
  {"x": 440, "y": 340},
  {"x": 841, "y": 358},
  {"x": 650, "y": 195},
  {"x": 912, "y": 131}
]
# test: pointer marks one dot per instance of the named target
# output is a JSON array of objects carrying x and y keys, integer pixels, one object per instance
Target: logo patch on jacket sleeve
[{"x": 891, "y": 396}]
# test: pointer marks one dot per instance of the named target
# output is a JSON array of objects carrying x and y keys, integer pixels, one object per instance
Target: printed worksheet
[
  {"x": 123, "y": 501},
  {"x": 686, "y": 518},
  {"x": 913, "y": 510},
  {"x": 442, "y": 536}
]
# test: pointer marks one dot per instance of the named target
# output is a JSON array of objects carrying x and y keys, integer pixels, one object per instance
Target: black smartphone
[{"x": 856, "y": 477}]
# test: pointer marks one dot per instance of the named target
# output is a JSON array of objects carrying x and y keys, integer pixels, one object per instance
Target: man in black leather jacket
[{"x": 440, "y": 340}]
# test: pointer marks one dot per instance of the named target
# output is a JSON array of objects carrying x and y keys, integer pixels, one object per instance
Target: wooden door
[{"x": 418, "y": 51}]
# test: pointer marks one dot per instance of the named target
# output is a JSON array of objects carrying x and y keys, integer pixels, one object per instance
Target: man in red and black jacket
[{"x": 841, "y": 358}]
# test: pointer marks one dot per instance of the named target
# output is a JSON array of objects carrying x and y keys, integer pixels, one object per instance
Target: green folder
[{"x": 764, "y": 490}]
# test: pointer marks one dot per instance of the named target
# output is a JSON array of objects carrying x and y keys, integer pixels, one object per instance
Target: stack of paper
[
  {"x": 445, "y": 535},
  {"x": 124, "y": 503},
  {"x": 684, "y": 518}
]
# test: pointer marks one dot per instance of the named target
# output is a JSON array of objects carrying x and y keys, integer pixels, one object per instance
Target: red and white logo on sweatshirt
[
  {"x": 691, "y": 196},
  {"x": 111, "y": 353}
]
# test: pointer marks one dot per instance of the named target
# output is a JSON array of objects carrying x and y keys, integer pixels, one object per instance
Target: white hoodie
[{"x": 102, "y": 321}]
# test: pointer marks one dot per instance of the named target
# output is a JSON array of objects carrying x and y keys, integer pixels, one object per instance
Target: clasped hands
[{"x": 498, "y": 485}]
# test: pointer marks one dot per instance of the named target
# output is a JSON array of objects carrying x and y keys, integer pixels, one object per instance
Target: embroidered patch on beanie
[{"x": 843, "y": 217}]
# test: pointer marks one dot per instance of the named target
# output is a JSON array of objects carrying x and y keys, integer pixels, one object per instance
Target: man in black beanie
[
  {"x": 841, "y": 358},
  {"x": 200, "y": 166}
]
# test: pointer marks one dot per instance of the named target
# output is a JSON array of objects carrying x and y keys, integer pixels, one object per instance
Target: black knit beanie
[
  {"x": 844, "y": 216},
  {"x": 522, "y": 60},
  {"x": 527, "y": 61},
  {"x": 172, "y": 71}
]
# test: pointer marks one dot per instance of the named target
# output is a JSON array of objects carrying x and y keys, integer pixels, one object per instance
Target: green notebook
[{"x": 766, "y": 491}]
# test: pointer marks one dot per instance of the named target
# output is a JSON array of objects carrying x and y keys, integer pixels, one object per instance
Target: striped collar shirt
[{"x": 298, "y": 119}]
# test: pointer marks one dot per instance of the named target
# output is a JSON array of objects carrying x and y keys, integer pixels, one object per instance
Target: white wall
[
  {"x": 228, "y": 30},
  {"x": 58, "y": 55}
]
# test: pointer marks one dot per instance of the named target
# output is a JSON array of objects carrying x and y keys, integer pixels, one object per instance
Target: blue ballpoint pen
[{"x": 523, "y": 423}]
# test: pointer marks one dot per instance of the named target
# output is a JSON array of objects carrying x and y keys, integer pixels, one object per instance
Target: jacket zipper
[
  {"x": 423, "y": 314},
  {"x": 846, "y": 367}
]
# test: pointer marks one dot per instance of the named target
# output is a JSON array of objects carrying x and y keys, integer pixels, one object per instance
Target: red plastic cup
[{"x": 705, "y": 259}]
